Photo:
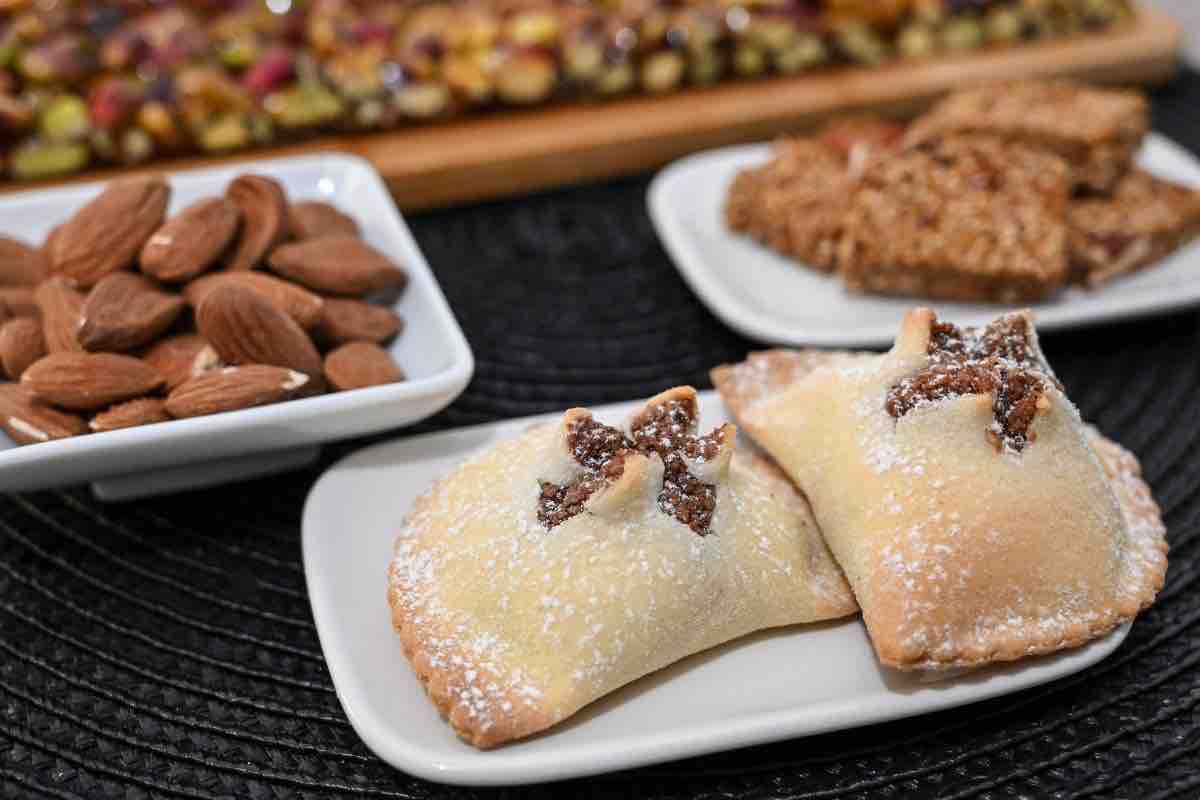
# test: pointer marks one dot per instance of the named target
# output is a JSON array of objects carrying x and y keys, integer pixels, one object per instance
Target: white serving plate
[
  {"x": 774, "y": 685},
  {"x": 205, "y": 450},
  {"x": 770, "y": 298}
]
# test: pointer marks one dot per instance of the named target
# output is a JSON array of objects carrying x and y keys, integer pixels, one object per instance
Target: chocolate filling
[
  {"x": 998, "y": 360},
  {"x": 664, "y": 430}
]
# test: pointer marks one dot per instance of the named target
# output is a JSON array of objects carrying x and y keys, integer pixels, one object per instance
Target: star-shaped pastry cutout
[
  {"x": 665, "y": 429},
  {"x": 1000, "y": 360}
]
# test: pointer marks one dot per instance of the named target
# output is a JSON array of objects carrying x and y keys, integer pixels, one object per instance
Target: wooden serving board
[{"x": 511, "y": 152}]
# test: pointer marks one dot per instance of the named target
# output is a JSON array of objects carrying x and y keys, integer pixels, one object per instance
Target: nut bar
[
  {"x": 795, "y": 203},
  {"x": 1144, "y": 219},
  {"x": 967, "y": 218},
  {"x": 1097, "y": 131},
  {"x": 86, "y": 83}
]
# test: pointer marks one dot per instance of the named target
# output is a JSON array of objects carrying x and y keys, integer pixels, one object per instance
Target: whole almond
[
  {"x": 345, "y": 320},
  {"x": 246, "y": 328},
  {"x": 297, "y": 302},
  {"x": 310, "y": 219},
  {"x": 20, "y": 264},
  {"x": 89, "y": 381},
  {"x": 106, "y": 234},
  {"x": 130, "y": 414},
  {"x": 343, "y": 265},
  {"x": 125, "y": 311},
  {"x": 191, "y": 241},
  {"x": 60, "y": 307},
  {"x": 21, "y": 344},
  {"x": 360, "y": 364},
  {"x": 233, "y": 388},
  {"x": 180, "y": 358},
  {"x": 263, "y": 208},
  {"x": 19, "y": 301},
  {"x": 27, "y": 420}
]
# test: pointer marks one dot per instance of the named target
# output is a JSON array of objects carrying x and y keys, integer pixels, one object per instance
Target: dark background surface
[{"x": 165, "y": 648}]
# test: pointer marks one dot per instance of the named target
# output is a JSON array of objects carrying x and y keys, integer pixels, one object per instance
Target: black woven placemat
[{"x": 165, "y": 648}]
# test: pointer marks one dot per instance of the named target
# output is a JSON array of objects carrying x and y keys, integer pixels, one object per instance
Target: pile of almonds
[{"x": 125, "y": 317}]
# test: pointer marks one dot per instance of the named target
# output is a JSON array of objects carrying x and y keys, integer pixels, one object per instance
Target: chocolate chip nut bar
[
  {"x": 1097, "y": 131},
  {"x": 967, "y": 218},
  {"x": 1144, "y": 219}
]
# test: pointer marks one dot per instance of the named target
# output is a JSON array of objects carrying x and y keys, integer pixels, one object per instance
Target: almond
[
  {"x": 27, "y": 420},
  {"x": 125, "y": 311},
  {"x": 130, "y": 414},
  {"x": 263, "y": 208},
  {"x": 355, "y": 321},
  {"x": 180, "y": 358},
  {"x": 233, "y": 388},
  {"x": 21, "y": 344},
  {"x": 20, "y": 264},
  {"x": 297, "y": 302},
  {"x": 60, "y": 307},
  {"x": 361, "y": 364},
  {"x": 191, "y": 241},
  {"x": 106, "y": 234},
  {"x": 343, "y": 265},
  {"x": 246, "y": 328},
  {"x": 19, "y": 301},
  {"x": 311, "y": 219},
  {"x": 89, "y": 381}
]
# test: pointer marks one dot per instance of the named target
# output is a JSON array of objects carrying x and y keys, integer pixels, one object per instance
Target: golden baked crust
[
  {"x": 514, "y": 618},
  {"x": 959, "y": 553},
  {"x": 961, "y": 218},
  {"x": 1097, "y": 131},
  {"x": 1143, "y": 220}
]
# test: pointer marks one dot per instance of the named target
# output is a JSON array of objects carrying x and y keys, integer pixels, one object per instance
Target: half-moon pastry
[
  {"x": 975, "y": 515},
  {"x": 558, "y": 566}
]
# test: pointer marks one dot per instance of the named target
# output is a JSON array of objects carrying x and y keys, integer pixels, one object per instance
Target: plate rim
[
  {"x": 692, "y": 266},
  {"x": 507, "y": 767}
]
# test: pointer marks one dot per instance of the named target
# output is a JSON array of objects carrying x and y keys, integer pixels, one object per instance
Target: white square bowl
[
  {"x": 771, "y": 298},
  {"x": 431, "y": 350}
]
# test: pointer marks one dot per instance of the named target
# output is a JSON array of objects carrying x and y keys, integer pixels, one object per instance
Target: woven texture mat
[{"x": 165, "y": 648}]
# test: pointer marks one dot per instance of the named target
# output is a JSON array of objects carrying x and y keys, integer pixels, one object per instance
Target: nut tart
[
  {"x": 975, "y": 515},
  {"x": 553, "y": 568}
]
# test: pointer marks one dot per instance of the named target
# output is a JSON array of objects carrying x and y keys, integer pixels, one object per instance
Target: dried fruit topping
[
  {"x": 999, "y": 360},
  {"x": 666, "y": 430}
]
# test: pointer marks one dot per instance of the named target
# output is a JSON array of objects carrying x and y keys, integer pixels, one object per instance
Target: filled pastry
[
  {"x": 975, "y": 515},
  {"x": 560, "y": 565}
]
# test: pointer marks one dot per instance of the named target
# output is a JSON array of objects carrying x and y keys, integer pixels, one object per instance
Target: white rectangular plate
[
  {"x": 431, "y": 349},
  {"x": 773, "y": 685},
  {"x": 770, "y": 298}
]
